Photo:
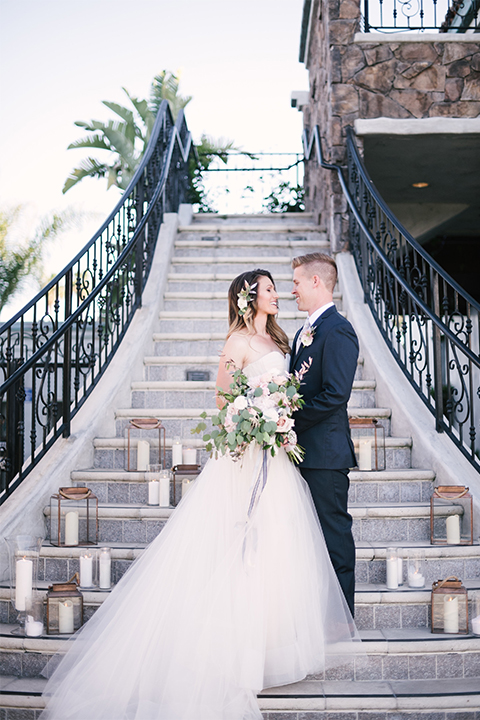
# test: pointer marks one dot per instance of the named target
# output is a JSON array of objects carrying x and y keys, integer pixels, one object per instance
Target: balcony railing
[
  {"x": 54, "y": 351},
  {"x": 431, "y": 325},
  {"x": 420, "y": 15}
]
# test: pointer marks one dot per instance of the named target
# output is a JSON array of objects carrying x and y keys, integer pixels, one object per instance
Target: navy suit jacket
[{"x": 322, "y": 424}]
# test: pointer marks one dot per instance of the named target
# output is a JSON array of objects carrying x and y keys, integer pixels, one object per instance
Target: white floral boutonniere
[{"x": 306, "y": 336}]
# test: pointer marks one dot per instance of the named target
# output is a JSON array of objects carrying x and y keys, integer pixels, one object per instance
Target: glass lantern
[
  {"x": 475, "y": 614},
  {"x": 104, "y": 557},
  {"x": 416, "y": 568},
  {"x": 73, "y": 517},
  {"x": 143, "y": 445},
  {"x": 449, "y": 607},
  {"x": 451, "y": 516},
  {"x": 368, "y": 437},
  {"x": 64, "y": 609},
  {"x": 158, "y": 485},
  {"x": 23, "y": 556},
  {"x": 183, "y": 478}
]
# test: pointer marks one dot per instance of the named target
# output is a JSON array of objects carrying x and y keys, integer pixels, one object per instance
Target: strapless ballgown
[{"x": 216, "y": 608}]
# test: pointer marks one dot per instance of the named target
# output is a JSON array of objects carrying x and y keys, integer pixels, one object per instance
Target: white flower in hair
[{"x": 244, "y": 297}]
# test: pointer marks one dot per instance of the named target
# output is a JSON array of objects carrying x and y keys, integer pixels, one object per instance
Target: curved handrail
[
  {"x": 424, "y": 315},
  {"x": 58, "y": 346}
]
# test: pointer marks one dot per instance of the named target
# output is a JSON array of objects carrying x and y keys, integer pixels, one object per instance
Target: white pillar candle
[
  {"x": 165, "y": 490},
  {"x": 23, "y": 583},
  {"x": 392, "y": 571},
  {"x": 453, "y": 530},
  {"x": 153, "y": 492},
  {"x": 86, "y": 570},
  {"x": 186, "y": 485},
  {"x": 177, "y": 457},
  {"x": 189, "y": 456},
  {"x": 105, "y": 569},
  {"x": 416, "y": 579},
  {"x": 450, "y": 614},
  {"x": 400, "y": 566},
  {"x": 71, "y": 528},
  {"x": 476, "y": 625},
  {"x": 143, "y": 454},
  {"x": 65, "y": 616},
  {"x": 365, "y": 454},
  {"x": 33, "y": 628}
]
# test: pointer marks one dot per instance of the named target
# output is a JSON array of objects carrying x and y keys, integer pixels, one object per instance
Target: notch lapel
[{"x": 303, "y": 349}]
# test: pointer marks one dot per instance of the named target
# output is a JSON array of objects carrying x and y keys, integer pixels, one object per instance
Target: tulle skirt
[{"x": 218, "y": 607}]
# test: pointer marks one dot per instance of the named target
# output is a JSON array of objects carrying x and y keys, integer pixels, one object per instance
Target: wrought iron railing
[
  {"x": 418, "y": 15},
  {"x": 430, "y": 324},
  {"x": 54, "y": 351},
  {"x": 243, "y": 182}
]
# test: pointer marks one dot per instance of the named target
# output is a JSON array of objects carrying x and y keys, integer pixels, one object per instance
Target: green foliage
[
  {"x": 286, "y": 198},
  {"x": 208, "y": 149},
  {"x": 126, "y": 139},
  {"x": 19, "y": 260}
]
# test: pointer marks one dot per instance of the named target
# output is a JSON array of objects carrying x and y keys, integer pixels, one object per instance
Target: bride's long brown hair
[{"x": 242, "y": 322}]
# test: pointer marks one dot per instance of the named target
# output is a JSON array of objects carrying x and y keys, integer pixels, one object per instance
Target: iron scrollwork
[{"x": 54, "y": 351}]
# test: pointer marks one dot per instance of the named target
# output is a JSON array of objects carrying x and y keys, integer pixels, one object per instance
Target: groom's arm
[{"x": 339, "y": 362}]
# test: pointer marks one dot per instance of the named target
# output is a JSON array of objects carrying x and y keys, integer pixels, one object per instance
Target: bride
[{"x": 221, "y": 604}]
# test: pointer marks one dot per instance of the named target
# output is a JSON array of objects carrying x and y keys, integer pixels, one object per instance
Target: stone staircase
[{"x": 410, "y": 673}]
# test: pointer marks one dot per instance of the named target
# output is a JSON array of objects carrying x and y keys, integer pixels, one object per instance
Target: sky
[{"x": 60, "y": 58}]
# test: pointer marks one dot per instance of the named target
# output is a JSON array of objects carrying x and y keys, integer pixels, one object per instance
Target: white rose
[
  {"x": 285, "y": 424},
  {"x": 270, "y": 414},
  {"x": 240, "y": 402},
  {"x": 242, "y": 303}
]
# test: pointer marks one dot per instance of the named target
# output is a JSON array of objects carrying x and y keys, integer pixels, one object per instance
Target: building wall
[{"x": 354, "y": 75}]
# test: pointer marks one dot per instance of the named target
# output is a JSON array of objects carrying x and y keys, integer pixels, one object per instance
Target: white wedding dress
[{"x": 216, "y": 608}]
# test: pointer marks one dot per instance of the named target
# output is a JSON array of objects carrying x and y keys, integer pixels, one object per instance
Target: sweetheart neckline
[{"x": 272, "y": 352}]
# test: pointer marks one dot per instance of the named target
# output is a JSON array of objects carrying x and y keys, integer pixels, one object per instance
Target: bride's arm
[{"x": 231, "y": 358}]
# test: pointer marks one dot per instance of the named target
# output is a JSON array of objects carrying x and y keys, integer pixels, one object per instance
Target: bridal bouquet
[{"x": 257, "y": 410}]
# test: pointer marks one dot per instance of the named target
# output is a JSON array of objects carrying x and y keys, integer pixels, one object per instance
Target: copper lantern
[
  {"x": 449, "y": 607},
  {"x": 74, "y": 517},
  {"x": 368, "y": 437},
  {"x": 64, "y": 608},
  {"x": 451, "y": 516}
]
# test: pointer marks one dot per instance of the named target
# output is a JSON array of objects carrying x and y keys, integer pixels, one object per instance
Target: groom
[{"x": 322, "y": 424}]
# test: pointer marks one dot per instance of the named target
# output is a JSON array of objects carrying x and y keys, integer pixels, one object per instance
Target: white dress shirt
[{"x": 316, "y": 314}]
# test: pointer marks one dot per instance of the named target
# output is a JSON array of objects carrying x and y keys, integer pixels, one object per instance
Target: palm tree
[
  {"x": 126, "y": 138},
  {"x": 21, "y": 259}
]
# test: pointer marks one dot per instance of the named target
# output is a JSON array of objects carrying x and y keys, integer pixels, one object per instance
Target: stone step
[
  {"x": 189, "y": 321},
  {"x": 276, "y": 219},
  {"x": 107, "y": 480},
  {"x": 217, "y": 282},
  {"x": 175, "y": 367},
  {"x": 386, "y": 523},
  {"x": 228, "y": 228},
  {"x": 393, "y": 653},
  {"x": 175, "y": 350},
  {"x": 233, "y": 266},
  {"x": 204, "y": 295},
  {"x": 183, "y": 301},
  {"x": 215, "y": 261},
  {"x": 394, "y": 522},
  {"x": 191, "y": 393},
  {"x": 110, "y": 453},
  {"x": 300, "y": 239},
  {"x": 197, "y": 249},
  {"x": 440, "y": 699},
  {"x": 382, "y": 608},
  {"x": 181, "y": 421},
  {"x": 376, "y": 606}
]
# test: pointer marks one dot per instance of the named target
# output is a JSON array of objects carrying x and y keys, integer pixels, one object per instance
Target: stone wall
[
  {"x": 369, "y": 75},
  {"x": 414, "y": 79}
]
